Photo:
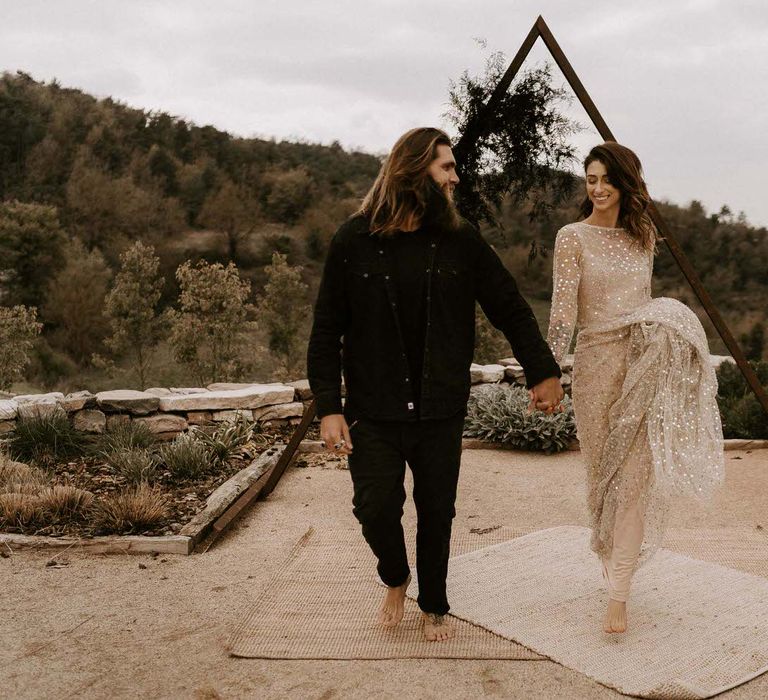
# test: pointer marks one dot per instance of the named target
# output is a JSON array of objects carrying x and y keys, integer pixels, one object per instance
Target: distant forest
[{"x": 98, "y": 175}]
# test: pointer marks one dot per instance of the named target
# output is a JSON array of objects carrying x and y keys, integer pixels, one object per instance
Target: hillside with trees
[{"x": 121, "y": 227}]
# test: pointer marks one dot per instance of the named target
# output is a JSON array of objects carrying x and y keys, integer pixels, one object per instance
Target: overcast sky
[{"x": 684, "y": 83}]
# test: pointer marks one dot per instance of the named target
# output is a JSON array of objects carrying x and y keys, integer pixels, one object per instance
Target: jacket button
[
  {"x": 365, "y": 274},
  {"x": 381, "y": 252},
  {"x": 386, "y": 277}
]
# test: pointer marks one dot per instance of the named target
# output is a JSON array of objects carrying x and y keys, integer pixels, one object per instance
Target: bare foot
[
  {"x": 436, "y": 627},
  {"x": 615, "y": 617},
  {"x": 391, "y": 610}
]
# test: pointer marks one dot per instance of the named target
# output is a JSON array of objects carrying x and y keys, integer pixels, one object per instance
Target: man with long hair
[{"x": 398, "y": 292}]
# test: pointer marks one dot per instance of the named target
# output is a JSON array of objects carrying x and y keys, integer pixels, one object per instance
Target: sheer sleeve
[{"x": 566, "y": 274}]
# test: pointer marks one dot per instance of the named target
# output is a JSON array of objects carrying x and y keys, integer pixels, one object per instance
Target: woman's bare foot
[
  {"x": 615, "y": 617},
  {"x": 391, "y": 610},
  {"x": 436, "y": 627}
]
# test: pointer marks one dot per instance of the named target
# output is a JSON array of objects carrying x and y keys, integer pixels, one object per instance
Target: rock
[
  {"x": 311, "y": 446},
  {"x": 199, "y": 417},
  {"x": 232, "y": 415},
  {"x": 567, "y": 363},
  {"x": 9, "y": 409},
  {"x": 78, "y": 401},
  {"x": 89, "y": 421},
  {"x": 476, "y": 373},
  {"x": 303, "y": 392},
  {"x": 254, "y": 396},
  {"x": 565, "y": 380},
  {"x": 493, "y": 374},
  {"x": 287, "y": 410},
  {"x": 39, "y": 409},
  {"x": 39, "y": 398},
  {"x": 717, "y": 360},
  {"x": 163, "y": 423},
  {"x": 167, "y": 437},
  {"x": 157, "y": 391},
  {"x": 232, "y": 386},
  {"x": 138, "y": 403},
  {"x": 188, "y": 390},
  {"x": 6, "y": 426},
  {"x": 117, "y": 419},
  {"x": 513, "y": 374}
]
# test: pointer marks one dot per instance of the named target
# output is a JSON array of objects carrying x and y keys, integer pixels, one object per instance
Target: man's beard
[{"x": 440, "y": 210}]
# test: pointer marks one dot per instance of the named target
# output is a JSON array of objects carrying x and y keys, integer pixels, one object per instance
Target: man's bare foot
[
  {"x": 391, "y": 610},
  {"x": 615, "y": 617},
  {"x": 436, "y": 627}
]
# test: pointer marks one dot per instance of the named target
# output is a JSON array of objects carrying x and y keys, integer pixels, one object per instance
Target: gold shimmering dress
[{"x": 643, "y": 393}]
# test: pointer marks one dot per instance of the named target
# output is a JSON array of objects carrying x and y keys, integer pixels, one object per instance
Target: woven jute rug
[
  {"x": 322, "y": 604},
  {"x": 696, "y": 628}
]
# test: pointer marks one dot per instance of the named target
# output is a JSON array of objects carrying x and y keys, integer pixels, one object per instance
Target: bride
[{"x": 643, "y": 387}]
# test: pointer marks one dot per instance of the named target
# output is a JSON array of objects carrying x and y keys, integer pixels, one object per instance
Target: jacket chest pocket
[{"x": 366, "y": 283}]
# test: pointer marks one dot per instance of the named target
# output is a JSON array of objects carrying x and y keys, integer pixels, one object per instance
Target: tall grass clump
[
  {"x": 226, "y": 441},
  {"x": 499, "y": 413},
  {"x": 134, "y": 465},
  {"x": 45, "y": 439},
  {"x": 132, "y": 510},
  {"x": 185, "y": 458},
  {"x": 129, "y": 435}
]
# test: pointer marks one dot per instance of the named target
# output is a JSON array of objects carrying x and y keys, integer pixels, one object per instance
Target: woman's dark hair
[{"x": 626, "y": 174}]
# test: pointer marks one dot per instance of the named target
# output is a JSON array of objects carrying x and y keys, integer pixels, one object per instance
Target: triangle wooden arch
[{"x": 473, "y": 131}]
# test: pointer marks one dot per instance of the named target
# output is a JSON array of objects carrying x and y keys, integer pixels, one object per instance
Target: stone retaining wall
[{"x": 169, "y": 412}]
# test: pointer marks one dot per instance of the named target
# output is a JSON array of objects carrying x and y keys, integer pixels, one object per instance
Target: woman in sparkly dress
[{"x": 643, "y": 387}]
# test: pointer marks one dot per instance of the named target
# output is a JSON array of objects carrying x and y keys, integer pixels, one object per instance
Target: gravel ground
[{"x": 110, "y": 626}]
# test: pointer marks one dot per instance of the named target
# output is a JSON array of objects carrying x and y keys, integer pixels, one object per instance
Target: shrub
[
  {"x": 21, "y": 510},
  {"x": 227, "y": 440},
  {"x": 62, "y": 503},
  {"x": 500, "y": 413},
  {"x": 18, "y": 330},
  {"x": 132, "y": 510},
  {"x": 121, "y": 437},
  {"x": 45, "y": 439},
  {"x": 740, "y": 411},
  {"x": 135, "y": 465},
  {"x": 185, "y": 457}
]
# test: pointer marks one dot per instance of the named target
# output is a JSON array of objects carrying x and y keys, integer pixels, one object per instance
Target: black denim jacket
[{"x": 356, "y": 311}]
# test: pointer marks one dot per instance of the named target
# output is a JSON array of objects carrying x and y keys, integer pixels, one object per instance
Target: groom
[{"x": 398, "y": 293}]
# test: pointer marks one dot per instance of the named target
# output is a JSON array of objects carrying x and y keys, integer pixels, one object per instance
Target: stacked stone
[{"x": 166, "y": 412}]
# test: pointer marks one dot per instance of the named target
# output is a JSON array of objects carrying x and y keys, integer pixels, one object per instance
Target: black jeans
[{"x": 432, "y": 449}]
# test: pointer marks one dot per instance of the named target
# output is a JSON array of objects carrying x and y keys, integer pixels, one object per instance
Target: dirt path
[{"x": 154, "y": 627}]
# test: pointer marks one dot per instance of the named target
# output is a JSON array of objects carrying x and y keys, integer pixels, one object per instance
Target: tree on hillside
[
  {"x": 234, "y": 211},
  {"x": 18, "y": 330},
  {"x": 131, "y": 308},
  {"x": 287, "y": 194},
  {"x": 31, "y": 241},
  {"x": 282, "y": 311},
  {"x": 75, "y": 302},
  {"x": 209, "y": 330}
]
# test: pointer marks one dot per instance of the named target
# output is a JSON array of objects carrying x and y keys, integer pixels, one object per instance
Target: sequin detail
[{"x": 643, "y": 387}]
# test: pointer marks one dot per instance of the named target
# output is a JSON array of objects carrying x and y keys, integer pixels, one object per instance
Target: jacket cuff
[
  {"x": 533, "y": 376},
  {"x": 328, "y": 404}
]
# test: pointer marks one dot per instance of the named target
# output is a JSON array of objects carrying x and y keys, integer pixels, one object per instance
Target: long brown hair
[
  {"x": 626, "y": 174},
  {"x": 403, "y": 187}
]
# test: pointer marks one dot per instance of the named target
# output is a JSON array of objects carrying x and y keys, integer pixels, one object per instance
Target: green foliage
[
  {"x": 753, "y": 342},
  {"x": 18, "y": 330},
  {"x": 186, "y": 457},
  {"x": 233, "y": 210},
  {"x": 131, "y": 307},
  {"x": 124, "y": 437},
  {"x": 226, "y": 440},
  {"x": 31, "y": 242},
  {"x": 45, "y": 439},
  {"x": 135, "y": 465},
  {"x": 283, "y": 312},
  {"x": 208, "y": 331},
  {"x": 500, "y": 413},
  {"x": 740, "y": 411},
  {"x": 75, "y": 305},
  {"x": 519, "y": 150},
  {"x": 288, "y": 194}
]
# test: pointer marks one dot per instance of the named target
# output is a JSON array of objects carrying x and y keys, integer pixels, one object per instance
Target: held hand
[
  {"x": 546, "y": 396},
  {"x": 334, "y": 432}
]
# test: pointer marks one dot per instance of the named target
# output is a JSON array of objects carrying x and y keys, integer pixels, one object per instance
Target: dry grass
[
  {"x": 20, "y": 510},
  {"x": 64, "y": 503},
  {"x": 131, "y": 510}
]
